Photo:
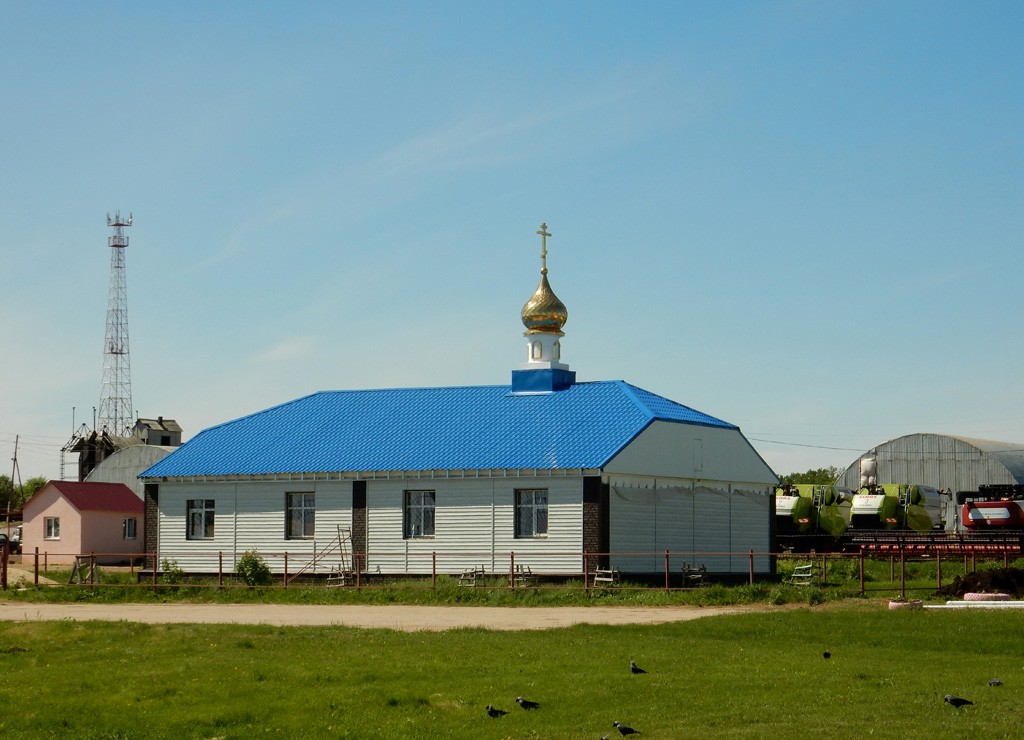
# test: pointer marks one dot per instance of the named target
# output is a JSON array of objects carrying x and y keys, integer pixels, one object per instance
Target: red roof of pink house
[{"x": 99, "y": 496}]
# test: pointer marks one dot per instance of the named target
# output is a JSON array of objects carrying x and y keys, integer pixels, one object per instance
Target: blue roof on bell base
[{"x": 578, "y": 426}]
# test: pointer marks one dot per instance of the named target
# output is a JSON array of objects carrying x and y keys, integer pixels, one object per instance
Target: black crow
[
  {"x": 956, "y": 701},
  {"x": 826, "y": 655},
  {"x": 495, "y": 712},
  {"x": 526, "y": 703},
  {"x": 635, "y": 668},
  {"x": 623, "y": 730},
  {"x": 994, "y": 682}
]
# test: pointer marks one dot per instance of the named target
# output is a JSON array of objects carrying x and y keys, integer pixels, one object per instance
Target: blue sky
[{"x": 804, "y": 218}]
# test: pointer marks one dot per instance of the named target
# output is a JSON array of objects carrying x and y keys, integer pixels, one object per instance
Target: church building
[{"x": 548, "y": 472}]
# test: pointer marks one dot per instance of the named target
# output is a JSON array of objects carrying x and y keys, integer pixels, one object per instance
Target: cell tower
[{"x": 115, "y": 410}]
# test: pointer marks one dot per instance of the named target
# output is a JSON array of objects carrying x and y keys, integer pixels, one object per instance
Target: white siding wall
[
  {"x": 474, "y": 526},
  {"x": 700, "y": 525},
  {"x": 688, "y": 451},
  {"x": 251, "y": 516},
  {"x": 748, "y": 531}
]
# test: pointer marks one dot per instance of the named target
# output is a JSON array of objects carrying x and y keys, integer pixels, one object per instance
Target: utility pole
[{"x": 14, "y": 470}]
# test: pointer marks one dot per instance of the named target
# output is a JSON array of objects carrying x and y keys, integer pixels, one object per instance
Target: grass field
[{"x": 752, "y": 676}]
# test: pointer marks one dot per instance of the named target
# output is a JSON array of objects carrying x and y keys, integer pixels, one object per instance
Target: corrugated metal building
[
  {"x": 449, "y": 478},
  {"x": 941, "y": 460}
]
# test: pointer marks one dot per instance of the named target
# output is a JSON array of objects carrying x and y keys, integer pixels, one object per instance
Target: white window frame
[
  {"x": 51, "y": 528},
  {"x": 419, "y": 514},
  {"x": 531, "y": 513},
  {"x": 130, "y": 528},
  {"x": 300, "y": 515},
  {"x": 200, "y": 519}
]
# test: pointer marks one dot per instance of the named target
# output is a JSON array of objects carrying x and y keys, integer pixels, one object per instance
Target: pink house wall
[
  {"x": 45, "y": 504},
  {"x": 81, "y": 532}
]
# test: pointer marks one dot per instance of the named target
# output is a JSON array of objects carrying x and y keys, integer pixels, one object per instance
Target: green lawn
[{"x": 755, "y": 675}]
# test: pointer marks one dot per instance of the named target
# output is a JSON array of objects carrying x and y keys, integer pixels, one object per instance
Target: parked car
[{"x": 15, "y": 541}]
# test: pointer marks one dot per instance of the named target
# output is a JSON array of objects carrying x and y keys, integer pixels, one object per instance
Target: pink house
[{"x": 66, "y": 519}]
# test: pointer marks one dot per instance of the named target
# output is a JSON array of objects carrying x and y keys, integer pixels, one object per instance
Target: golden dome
[{"x": 544, "y": 312}]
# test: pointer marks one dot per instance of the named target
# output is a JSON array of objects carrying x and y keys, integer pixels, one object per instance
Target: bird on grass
[
  {"x": 994, "y": 682},
  {"x": 826, "y": 655},
  {"x": 635, "y": 668},
  {"x": 495, "y": 712},
  {"x": 624, "y": 730},
  {"x": 956, "y": 701},
  {"x": 526, "y": 703}
]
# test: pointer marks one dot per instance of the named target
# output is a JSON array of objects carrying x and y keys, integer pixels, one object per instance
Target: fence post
[
  {"x": 938, "y": 569},
  {"x": 155, "y": 564},
  {"x": 903, "y": 574},
  {"x": 751, "y": 567},
  {"x": 357, "y": 561},
  {"x": 433, "y": 569},
  {"x": 512, "y": 570},
  {"x": 92, "y": 569},
  {"x": 286, "y": 569},
  {"x": 824, "y": 569},
  {"x": 861, "y": 558},
  {"x": 220, "y": 569},
  {"x": 892, "y": 568},
  {"x": 586, "y": 572},
  {"x": 3, "y": 565},
  {"x": 35, "y": 568}
]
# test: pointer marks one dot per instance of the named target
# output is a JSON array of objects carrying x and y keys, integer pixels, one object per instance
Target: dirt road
[{"x": 396, "y": 617}]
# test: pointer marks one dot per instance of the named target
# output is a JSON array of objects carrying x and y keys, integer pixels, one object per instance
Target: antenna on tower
[{"x": 115, "y": 409}]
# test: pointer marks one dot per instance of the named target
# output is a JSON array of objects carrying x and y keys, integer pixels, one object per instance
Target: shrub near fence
[{"x": 893, "y": 573}]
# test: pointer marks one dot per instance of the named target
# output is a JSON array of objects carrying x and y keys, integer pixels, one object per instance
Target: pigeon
[
  {"x": 826, "y": 655},
  {"x": 956, "y": 701},
  {"x": 495, "y": 712},
  {"x": 635, "y": 668},
  {"x": 624, "y": 730},
  {"x": 994, "y": 682},
  {"x": 526, "y": 703}
]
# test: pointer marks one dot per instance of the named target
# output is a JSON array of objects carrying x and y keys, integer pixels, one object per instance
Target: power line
[{"x": 800, "y": 444}]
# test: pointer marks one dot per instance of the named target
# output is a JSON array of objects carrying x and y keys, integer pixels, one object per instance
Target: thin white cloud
[{"x": 289, "y": 350}]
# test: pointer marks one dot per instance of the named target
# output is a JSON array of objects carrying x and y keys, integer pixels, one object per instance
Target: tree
[
  {"x": 6, "y": 492},
  {"x": 819, "y": 476},
  {"x": 15, "y": 496},
  {"x": 28, "y": 489}
]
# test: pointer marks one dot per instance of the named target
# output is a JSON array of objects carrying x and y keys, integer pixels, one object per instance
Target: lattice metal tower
[{"x": 115, "y": 411}]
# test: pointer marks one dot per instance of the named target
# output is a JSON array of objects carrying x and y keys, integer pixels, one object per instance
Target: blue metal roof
[{"x": 463, "y": 428}]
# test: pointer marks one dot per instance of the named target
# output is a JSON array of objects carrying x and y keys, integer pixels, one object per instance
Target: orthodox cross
[{"x": 544, "y": 247}]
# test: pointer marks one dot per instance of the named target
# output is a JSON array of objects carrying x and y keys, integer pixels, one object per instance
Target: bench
[
  {"x": 605, "y": 577},
  {"x": 694, "y": 576},
  {"x": 470, "y": 576},
  {"x": 803, "y": 575},
  {"x": 524, "y": 576},
  {"x": 339, "y": 576}
]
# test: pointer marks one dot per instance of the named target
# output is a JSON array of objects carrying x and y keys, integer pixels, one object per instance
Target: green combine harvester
[
  {"x": 804, "y": 510},
  {"x": 890, "y": 506}
]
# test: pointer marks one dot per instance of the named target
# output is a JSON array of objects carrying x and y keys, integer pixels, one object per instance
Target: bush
[
  {"x": 253, "y": 569},
  {"x": 173, "y": 574}
]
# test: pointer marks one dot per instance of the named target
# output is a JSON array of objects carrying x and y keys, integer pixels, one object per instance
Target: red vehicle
[{"x": 992, "y": 506}]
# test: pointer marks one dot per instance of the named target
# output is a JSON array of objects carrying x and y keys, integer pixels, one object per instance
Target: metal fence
[{"x": 866, "y": 572}]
